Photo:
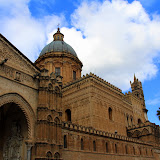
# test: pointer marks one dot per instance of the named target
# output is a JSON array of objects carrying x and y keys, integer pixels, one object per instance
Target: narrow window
[
  {"x": 82, "y": 147},
  {"x": 126, "y": 149},
  {"x": 106, "y": 147},
  {"x": 57, "y": 71},
  {"x": 127, "y": 121},
  {"x": 110, "y": 113},
  {"x": 74, "y": 75},
  {"x": 134, "y": 151},
  {"x": 68, "y": 115},
  {"x": 132, "y": 121},
  {"x": 146, "y": 152},
  {"x": 65, "y": 141},
  {"x": 139, "y": 121},
  {"x": 94, "y": 146},
  {"x": 116, "y": 148},
  {"x": 140, "y": 151},
  {"x": 151, "y": 152}
]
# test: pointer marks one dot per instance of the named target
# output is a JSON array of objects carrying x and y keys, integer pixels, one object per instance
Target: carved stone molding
[{"x": 25, "y": 107}]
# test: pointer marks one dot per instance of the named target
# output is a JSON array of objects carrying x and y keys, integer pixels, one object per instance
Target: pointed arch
[
  {"x": 56, "y": 155},
  {"x": 145, "y": 131},
  {"x": 49, "y": 155},
  {"x": 136, "y": 134},
  {"x": 49, "y": 118}
]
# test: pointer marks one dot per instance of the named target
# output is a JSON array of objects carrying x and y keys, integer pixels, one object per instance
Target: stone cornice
[{"x": 60, "y": 55}]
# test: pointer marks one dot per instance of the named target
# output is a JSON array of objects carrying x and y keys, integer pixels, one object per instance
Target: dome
[{"x": 58, "y": 45}]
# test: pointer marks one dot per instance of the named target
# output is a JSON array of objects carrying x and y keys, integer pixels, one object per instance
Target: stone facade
[{"x": 48, "y": 111}]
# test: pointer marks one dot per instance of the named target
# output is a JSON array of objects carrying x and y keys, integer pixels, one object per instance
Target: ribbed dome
[{"x": 58, "y": 46}]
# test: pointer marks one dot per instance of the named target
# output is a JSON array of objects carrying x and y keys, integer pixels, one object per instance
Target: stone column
[{"x": 29, "y": 146}]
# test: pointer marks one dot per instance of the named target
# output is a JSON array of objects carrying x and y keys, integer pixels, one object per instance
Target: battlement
[
  {"x": 92, "y": 131},
  {"x": 91, "y": 75}
]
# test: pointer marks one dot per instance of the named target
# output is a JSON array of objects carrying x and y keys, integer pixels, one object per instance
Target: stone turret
[{"x": 137, "y": 91}]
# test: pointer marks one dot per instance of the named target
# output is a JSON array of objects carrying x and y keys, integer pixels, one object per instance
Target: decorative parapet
[
  {"x": 145, "y": 129},
  {"x": 146, "y": 124},
  {"x": 92, "y": 131},
  {"x": 91, "y": 75}
]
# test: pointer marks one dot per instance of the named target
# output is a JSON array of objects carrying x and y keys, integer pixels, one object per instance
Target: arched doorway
[
  {"x": 17, "y": 123},
  {"x": 14, "y": 132}
]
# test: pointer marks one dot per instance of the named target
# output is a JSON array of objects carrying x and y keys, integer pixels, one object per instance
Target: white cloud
[
  {"x": 120, "y": 40},
  {"x": 27, "y": 33},
  {"x": 113, "y": 39}
]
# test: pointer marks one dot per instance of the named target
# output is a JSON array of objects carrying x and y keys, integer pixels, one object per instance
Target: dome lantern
[{"x": 58, "y": 36}]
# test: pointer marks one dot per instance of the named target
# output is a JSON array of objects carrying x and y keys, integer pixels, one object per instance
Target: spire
[
  {"x": 134, "y": 77},
  {"x": 58, "y": 36}
]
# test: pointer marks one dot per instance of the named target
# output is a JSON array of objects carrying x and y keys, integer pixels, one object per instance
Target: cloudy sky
[{"x": 113, "y": 38}]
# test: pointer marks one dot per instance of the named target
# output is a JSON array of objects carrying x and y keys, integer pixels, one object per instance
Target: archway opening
[{"x": 14, "y": 132}]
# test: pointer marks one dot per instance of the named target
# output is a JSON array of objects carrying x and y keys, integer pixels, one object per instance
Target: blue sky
[{"x": 114, "y": 39}]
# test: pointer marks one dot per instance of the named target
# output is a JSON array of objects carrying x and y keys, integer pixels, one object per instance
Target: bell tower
[
  {"x": 137, "y": 91},
  {"x": 137, "y": 88},
  {"x": 49, "y": 117}
]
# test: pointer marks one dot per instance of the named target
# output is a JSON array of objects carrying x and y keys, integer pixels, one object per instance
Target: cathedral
[{"x": 48, "y": 111}]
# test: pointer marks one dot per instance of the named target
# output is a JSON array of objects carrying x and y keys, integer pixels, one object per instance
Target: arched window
[
  {"x": 56, "y": 155},
  {"x": 68, "y": 115},
  {"x": 126, "y": 149},
  {"x": 82, "y": 146},
  {"x": 110, "y": 113},
  {"x": 49, "y": 155},
  {"x": 106, "y": 147},
  {"x": 139, "y": 121},
  {"x": 116, "y": 151},
  {"x": 94, "y": 146},
  {"x": 49, "y": 118},
  {"x": 65, "y": 141}
]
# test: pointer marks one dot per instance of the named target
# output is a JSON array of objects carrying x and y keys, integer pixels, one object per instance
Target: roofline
[
  {"x": 91, "y": 75},
  {"x": 19, "y": 52}
]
